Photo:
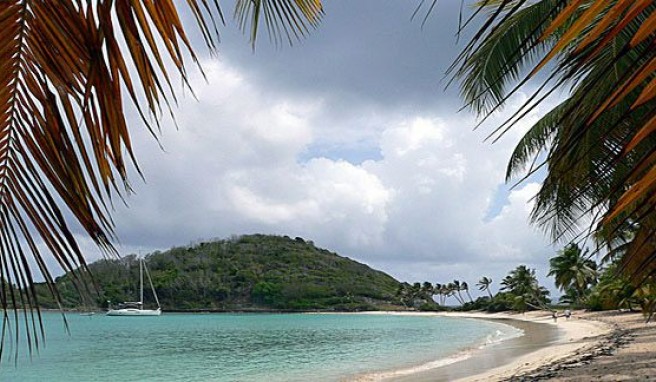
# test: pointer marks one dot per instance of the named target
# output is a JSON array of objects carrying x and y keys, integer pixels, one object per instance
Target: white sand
[{"x": 575, "y": 334}]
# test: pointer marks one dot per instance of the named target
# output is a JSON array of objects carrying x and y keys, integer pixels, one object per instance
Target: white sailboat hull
[
  {"x": 134, "y": 309},
  {"x": 134, "y": 312}
]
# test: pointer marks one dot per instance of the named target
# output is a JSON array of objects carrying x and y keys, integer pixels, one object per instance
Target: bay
[{"x": 243, "y": 347}]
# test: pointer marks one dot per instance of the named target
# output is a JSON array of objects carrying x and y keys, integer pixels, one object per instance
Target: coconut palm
[
  {"x": 449, "y": 291},
  {"x": 437, "y": 289},
  {"x": 444, "y": 292},
  {"x": 464, "y": 286},
  {"x": 484, "y": 285},
  {"x": 457, "y": 287},
  {"x": 68, "y": 70},
  {"x": 597, "y": 144},
  {"x": 573, "y": 270},
  {"x": 523, "y": 285},
  {"x": 520, "y": 280}
]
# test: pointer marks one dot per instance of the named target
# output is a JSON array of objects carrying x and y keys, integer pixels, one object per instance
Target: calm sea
[{"x": 244, "y": 347}]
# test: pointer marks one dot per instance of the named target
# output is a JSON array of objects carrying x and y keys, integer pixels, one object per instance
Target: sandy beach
[
  {"x": 576, "y": 335},
  {"x": 627, "y": 353},
  {"x": 603, "y": 346}
]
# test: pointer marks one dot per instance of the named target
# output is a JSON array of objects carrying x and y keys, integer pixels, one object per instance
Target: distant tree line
[{"x": 585, "y": 284}]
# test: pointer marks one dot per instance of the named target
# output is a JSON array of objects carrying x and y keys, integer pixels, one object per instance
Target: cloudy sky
[{"x": 348, "y": 139}]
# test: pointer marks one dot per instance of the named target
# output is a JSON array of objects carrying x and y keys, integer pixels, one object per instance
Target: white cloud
[
  {"x": 418, "y": 211},
  {"x": 314, "y": 197}
]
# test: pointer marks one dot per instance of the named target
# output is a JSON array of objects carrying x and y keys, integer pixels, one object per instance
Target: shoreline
[
  {"x": 545, "y": 343},
  {"x": 603, "y": 346},
  {"x": 576, "y": 335}
]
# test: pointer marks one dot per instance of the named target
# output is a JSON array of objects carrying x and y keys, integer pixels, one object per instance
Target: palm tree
[
  {"x": 523, "y": 285},
  {"x": 449, "y": 291},
  {"x": 457, "y": 287},
  {"x": 444, "y": 293},
  {"x": 437, "y": 289},
  {"x": 520, "y": 280},
  {"x": 573, "y": 270},
  {"x": 66, "y": 75},
  {"x": 464, "y": 286},
  {"x": 597, "y": 144},
  {"x": 484, "y": 285},
  {"x": 455, "y": 291}
]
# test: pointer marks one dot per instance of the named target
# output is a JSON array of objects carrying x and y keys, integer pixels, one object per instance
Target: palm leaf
[
  {"x": 599, "y": 143},
  {"x": 535, "y": 141},
  {"x": 500, "y": 59},
  {"x": 65, "y": 148},
  {"x": 291, "y": 19}
]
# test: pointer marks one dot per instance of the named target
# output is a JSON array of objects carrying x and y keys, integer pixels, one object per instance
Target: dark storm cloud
[{"x": 363, "y": 51}]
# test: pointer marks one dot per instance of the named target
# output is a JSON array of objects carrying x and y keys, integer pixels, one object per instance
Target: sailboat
[{"x": 136, "y": 308}]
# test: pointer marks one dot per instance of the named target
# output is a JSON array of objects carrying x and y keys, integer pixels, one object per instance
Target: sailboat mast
[{"x": 141, "y": 282}]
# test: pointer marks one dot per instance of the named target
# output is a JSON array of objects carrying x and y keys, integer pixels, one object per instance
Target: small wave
[
  {"x": 498, "y": 336},
  {"x": 412, "y": 370}
]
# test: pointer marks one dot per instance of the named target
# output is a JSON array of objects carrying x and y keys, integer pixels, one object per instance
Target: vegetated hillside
[{"x": 254, "y": 272}]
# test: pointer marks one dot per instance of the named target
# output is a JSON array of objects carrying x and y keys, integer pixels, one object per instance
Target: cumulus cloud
[
  {"x": 244, "y": 162},
  {"x": 366, "y": 158},
  {"x": 237, "y": 168}
]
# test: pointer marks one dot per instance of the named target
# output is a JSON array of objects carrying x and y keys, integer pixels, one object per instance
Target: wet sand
[
  {"x": 536, "y": 336},
  {"x": 545, "y": 343}
]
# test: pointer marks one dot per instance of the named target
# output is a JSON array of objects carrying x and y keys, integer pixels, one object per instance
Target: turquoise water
[{"x": 243, "y": 347}]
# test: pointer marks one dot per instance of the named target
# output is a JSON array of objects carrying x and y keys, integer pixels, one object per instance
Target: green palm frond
[
  {"x": 598, "y": 145},
  {"x": 508, "y": 50},
  {"x": 573, "y": 269},
  {"x": 290, "y": 19},
  {"x": 535, "y": 141}
]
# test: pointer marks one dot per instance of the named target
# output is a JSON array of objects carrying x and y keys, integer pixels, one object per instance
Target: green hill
[{"x": 254, "y": 272}]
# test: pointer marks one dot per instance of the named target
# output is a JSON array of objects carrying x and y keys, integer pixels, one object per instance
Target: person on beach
[
  {"x": 568, "y": 313},
  {"x": 554, "y": 315}
]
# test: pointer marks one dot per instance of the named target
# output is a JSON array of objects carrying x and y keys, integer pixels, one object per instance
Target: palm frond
[
  {"x": 67, "y": 71},
  {"x": 290, "y": 19},
  {"x": 486, "y": 72},
  {"x": 535, "y": 140},
  {"x": 600, "y": 153}
]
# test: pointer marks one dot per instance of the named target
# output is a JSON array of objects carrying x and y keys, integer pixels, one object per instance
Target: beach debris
[{"x": 606, "y": 347}]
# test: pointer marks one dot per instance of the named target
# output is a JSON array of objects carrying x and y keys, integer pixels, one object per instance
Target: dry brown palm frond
[{"x": 67, "y": 70}]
